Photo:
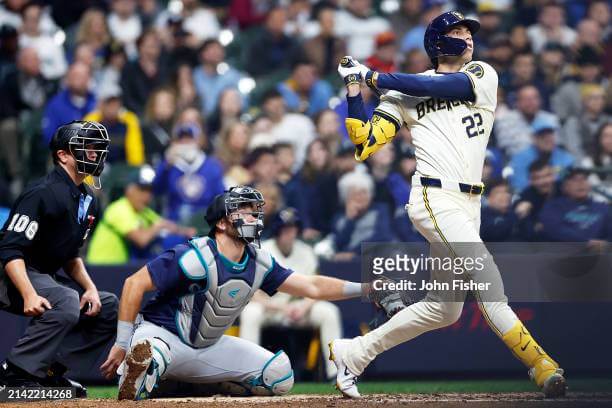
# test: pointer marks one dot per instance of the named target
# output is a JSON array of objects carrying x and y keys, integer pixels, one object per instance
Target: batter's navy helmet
[{"x": 438, "y": 44}]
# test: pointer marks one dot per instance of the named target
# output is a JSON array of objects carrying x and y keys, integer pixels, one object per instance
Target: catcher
[{"x": 202, "y": 286}]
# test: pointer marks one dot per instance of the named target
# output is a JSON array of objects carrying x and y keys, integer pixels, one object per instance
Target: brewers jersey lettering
[{"x": 450, "y": 137}]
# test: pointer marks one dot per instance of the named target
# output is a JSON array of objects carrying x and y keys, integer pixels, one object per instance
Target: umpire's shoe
[
  {"x": 144, "y": 365},
  {"x": 55, "y": 378},
  {"x": 13, "y": 376},
  {"x": 346, "y": 382}
]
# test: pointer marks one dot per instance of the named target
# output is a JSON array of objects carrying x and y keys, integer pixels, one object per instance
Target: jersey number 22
[{"x": 472, "y": 125}]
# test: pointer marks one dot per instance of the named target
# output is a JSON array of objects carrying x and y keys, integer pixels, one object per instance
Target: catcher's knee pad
[
  {"x": 161, "y": 354},
  {"x": 276, "y": 376}
]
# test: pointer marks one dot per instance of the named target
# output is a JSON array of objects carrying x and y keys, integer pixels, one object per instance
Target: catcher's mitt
[{"x": 390, "y": 301}]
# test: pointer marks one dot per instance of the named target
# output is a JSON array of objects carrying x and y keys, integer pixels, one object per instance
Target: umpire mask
[{"x": 88, "y": 143}]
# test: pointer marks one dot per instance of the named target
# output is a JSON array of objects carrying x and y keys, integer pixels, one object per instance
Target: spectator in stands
[
  {"x": 22, "y": 88},
  {"x": 551, "y": 62},
  {"x": 513, "y": 130},
  {"x": 272, "y": 51},
  {"x": 315, "y": 179},
  {"x": 416, "y": 62},
  {"x": 123, "y": 126},
  {"x": 574, "y": 216},
  {"x": 361, "y": 220},
  {"x": 325, "y": 49},
  {"x": 500, "y": 54},
  {"x": 230, "y": 106},
  {"x": 213, "y": 75},
  {"x": 304, "y": 92},
  {"x": 544, "y": 145},
  {"x": 413, "y": 39},
  {"x": 399, "y": 185},
  {"x": 71, "y": 103},
  {"x": 520, "y": 40},
  {"x": 580, "y": 132},
  {"x": 93, "y": 31},
  {"x": 383, "y": 59},
  {"x": 293, "y": 128},
  {"x": 158, "y": 121},
  {"x": 407, "y": 17},
  {"x": 358, "y": 25},
  {"x": 282, "y": 309},
  {"x": 125, "y": 25},
  {"x": 298, "y": 14},
  {"x": 114, "y": 61},
  {"x": 601, "y": 157},
  {"x": 198, "y": 22},
  {"x": 130, "y": 229},
  {"x": 51, "y": 55},
  {"x": 248, "y": 13},
  {"x": 530, "y": 201},
  {"x": 589, "y": 34},
  {"x": 381, "y": 166},
  {"x": 490, "y": 17},
  {"x": 187, "y": 178},
  {"x": 184, "y": 87},
  {"x": 599, "y": 10},
  {"x": 566, "y": 101},
  {"x": 140, "y": 77},
  {"x": 231, "y": 150},
  {"x": 523, "y": 72},
  {"x": 551, "y": 27},
  {"x": 262, "y": 166},
  {"x": 329, "y": 128},
  {"x": 285, "y": 157},
  {"x": 10, "y": 13},
  {"x": 498, "y": 221},
  {"x": 149, "y": 11}
]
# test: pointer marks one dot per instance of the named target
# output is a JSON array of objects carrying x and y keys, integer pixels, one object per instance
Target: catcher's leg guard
[
  {"x": 276, "y": 377},
  {"x": 145, "y": 363},
  {"x": 542, "y": 369}
]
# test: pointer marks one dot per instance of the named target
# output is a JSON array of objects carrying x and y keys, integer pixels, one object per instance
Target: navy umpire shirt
[{"x": 48, "y": 223}]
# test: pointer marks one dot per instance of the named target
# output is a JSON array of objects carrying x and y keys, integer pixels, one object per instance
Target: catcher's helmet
[
  {"x": 230, "y": 201},
  {"x": 438, "y": 44},
  {"x": 79, "y": 138}
]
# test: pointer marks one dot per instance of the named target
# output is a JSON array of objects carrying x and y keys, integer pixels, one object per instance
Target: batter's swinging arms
[{"x": 450, "y": 112}]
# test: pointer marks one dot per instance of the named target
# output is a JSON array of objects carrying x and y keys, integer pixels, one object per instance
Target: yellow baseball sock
[{"x": 526, "y": 349}]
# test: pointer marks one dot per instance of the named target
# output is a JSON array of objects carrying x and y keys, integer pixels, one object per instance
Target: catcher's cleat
[
  {"x": 137, "y": 363},
  {"x": 346, "y": 382},
  {"x": 144, "y": 365}
]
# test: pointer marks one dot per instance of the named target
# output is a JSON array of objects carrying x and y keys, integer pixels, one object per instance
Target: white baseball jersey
[{"x": 450, "y": 137}]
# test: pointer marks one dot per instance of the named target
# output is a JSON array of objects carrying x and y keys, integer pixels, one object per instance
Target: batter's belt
[{"x": 424, "y": 181}]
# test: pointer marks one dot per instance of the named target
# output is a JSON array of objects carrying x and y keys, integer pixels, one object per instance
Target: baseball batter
[
  {"x": 202, "y": 286},
  {"x": 450, "y": 112}
]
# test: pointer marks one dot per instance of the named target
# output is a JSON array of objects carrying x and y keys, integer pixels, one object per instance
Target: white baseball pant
[{"x": 443, "y": 217}]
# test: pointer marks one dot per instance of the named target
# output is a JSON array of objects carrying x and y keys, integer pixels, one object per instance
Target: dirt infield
[{"x": 504, "y": 400}]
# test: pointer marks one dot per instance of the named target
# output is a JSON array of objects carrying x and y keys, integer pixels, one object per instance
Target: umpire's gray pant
[{"x": 61, "y": 334}]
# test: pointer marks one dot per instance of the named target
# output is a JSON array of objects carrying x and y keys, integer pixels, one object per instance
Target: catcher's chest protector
[{"x": 218, "y": 294}]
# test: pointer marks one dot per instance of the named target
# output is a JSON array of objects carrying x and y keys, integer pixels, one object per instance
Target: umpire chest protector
[{"x": 217, "y": 293}]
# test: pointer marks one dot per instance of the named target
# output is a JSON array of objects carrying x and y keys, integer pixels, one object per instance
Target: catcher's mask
[
  {"x": 228, "y": 203},
  {"x": 87, "y": 142}
]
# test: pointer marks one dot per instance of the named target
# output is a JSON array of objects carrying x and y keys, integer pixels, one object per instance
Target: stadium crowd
[{"x": 200, "y": 95}]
